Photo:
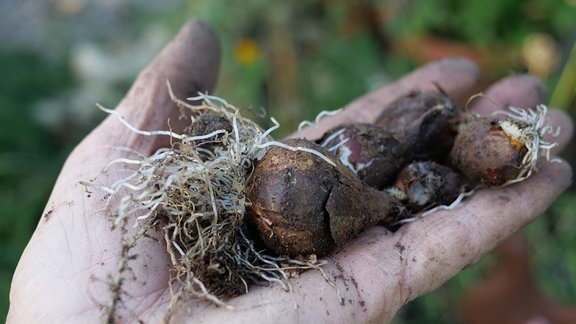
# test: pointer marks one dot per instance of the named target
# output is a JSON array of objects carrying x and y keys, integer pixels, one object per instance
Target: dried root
[{"x": 193, "y": 194}]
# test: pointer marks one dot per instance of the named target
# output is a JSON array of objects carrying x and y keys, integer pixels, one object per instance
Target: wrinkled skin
[{"x": 63, "y": 272}]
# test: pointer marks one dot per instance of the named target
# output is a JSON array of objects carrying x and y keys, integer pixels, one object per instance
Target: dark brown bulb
[
  {"x": 302, "y": 204},
  {"x": 373, "y": 153},
  {"x": 426, "y": 120}
]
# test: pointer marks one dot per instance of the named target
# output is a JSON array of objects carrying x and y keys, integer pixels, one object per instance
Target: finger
[
  {"x": 559, "y": 120},
  {"x": 190, "y": 62},
  {"x": 443, "y": 244},
  {"x": 524, "y": 91},
  {"x": 454, "y": 76}
]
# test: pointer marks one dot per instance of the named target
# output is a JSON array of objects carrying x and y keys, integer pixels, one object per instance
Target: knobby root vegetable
[
  {"x": 498, "y": 152},
  {"x": 372, "y": 152},
  {"x": 423, "y": 185},
  {"x": 301, "y": 204},
  {"x": 427, "y": 121},
  {"x": 417, "y": 126},
  {"x": 485, "y": 153}
]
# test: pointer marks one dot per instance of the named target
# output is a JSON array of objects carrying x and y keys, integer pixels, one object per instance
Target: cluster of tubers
[
  {"x": 236, "y": 207},
  {"x": 422, "y": 152}
]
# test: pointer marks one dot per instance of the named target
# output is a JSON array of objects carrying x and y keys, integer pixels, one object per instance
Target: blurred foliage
[
  {"x": 483, "y": 22},
  {"x": 290, "y": 59},
  {"x": 302, "y": 64},
  {"x": 30, "y": 156}
]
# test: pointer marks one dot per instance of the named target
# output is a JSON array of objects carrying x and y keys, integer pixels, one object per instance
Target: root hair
[{"x": 193, "y": 194}]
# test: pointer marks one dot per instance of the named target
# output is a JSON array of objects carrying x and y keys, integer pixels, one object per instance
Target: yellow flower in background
[
  {"x": 246, "y": 51},
  {"x": 541, "y": 54}
]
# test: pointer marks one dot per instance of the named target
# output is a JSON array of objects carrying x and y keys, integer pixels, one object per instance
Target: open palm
[{"x": 65, "y": 271}]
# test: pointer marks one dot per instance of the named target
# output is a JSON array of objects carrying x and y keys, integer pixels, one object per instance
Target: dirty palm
[{"x": 237, "y": 207}]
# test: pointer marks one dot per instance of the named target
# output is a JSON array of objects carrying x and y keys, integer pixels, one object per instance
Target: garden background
[{"x": 58, "y": 58}]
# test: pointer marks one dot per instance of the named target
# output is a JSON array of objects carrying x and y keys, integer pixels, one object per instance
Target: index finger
[
  {"x": 455, "y": 76},
  {"x": 524, "y": 91}
]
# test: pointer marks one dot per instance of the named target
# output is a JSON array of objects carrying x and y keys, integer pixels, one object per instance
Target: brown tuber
[
  {"x": 499, "y": 152},
  {"x": 372, "y": 152},
  {"x": 302, "y": 204},
  {"x": 427, "y": 121},
  {"x": 486, "y": 153},
  {"x": 417, "y": 126},
  {"x": 426, "y": 184}
]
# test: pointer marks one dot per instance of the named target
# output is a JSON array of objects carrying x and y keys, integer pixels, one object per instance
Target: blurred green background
[{"x": 293, "y": 59}]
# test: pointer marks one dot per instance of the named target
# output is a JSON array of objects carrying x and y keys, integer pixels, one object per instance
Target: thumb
[{"x": 190, "y": 62}]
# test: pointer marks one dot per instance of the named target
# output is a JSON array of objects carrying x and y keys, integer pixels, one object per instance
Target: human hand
[{"x": 63, "y": 273}]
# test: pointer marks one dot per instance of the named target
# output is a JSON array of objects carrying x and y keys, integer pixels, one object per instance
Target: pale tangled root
[
  {"x": 528, "y": 126},
  {"x": 193, "y": 194}
]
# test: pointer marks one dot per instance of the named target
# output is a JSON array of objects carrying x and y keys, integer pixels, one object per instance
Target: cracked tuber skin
[{"x": 303, "y": 205}]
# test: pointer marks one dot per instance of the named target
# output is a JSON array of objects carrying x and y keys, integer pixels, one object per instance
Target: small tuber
[
  {"x": 425, "y": 184},
  {"x": 485, "y": 153},
  {"x": 372, "y": 152},
  {"x": 501, "y": 151},
  {"x": 427, "y": 121},
  {"x": 417, "y": 126}
]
